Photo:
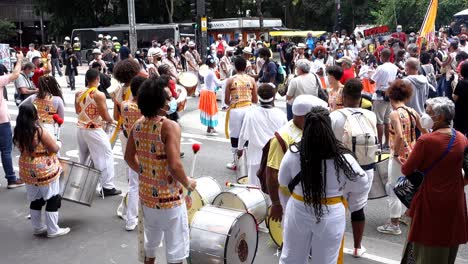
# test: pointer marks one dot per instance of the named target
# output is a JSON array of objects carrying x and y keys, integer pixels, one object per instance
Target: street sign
[{"x": 204, "y": 24}]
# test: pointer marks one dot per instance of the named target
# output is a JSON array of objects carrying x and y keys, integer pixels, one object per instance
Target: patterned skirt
[{"x": 208, "y": 108}]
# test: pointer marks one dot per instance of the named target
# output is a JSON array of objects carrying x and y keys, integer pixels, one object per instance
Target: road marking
[
  {"x": 372, "y": 257},
  {"x": 218, "y": 139}
]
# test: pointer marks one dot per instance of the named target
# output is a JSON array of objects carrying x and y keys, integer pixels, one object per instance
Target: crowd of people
[{"x": 318, "y": 157}]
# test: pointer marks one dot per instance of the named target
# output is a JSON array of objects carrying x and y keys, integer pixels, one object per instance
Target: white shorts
[
  {"x": 172, "y": 224},
  {"x": 45, "y": 192}
]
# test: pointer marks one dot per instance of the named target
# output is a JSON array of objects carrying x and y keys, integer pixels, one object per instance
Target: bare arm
[
  {"x": 100, "y": 100},
  {"x": 418, "y": 123},
  {"x": 24, "y": 90},
  {"x": 171, "y": 135},
  {"x": 16, "y": 71},
  {"x": 227, "y": 95},
  {"x": 273, "y": 187},
  {"x": 395, "y": 121},
  {"x": 49, "y": 142},
  {"x": 254, "y": 92},
  {"x": 77, "y": 104},
  {"x": 130, "y": 153}
]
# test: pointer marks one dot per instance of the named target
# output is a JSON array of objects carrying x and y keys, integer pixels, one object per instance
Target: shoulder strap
[
  {"x": 294, "y": 182},
  {"x": 411, "y": 115},
  {"x": 84, "y": 94},
  {"x": 447, "y": 150},
  {"x": 281, "y": 142}
]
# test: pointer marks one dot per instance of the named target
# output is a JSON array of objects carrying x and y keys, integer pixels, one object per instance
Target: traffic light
[
  {"x": 193, "y": 8},
  {"x": 207, "y": 7},
  {"x": 195, "y": 26}
]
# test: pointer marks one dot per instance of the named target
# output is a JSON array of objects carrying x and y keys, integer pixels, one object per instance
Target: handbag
[
  {"x": 321, "y": 93},
  {"x": 407, "y": 186}
]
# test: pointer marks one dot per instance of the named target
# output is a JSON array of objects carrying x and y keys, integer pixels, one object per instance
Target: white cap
[
  {"x": 114, "y": 38},
  {"x": 304, "y": 103},
  {"x": 97, "y": 51},
  {"x": 220, "y": 35},
  {"x": 100, "y": 36},
  {"x": 67, "y": 38},
  {"x": 108, "y": 37},
  {"x": 230, "y": 49},
  {"x": 155, "y": 51},
  {"x": 191, "y": 44},
  {"x": 301, "y": 46},
  {"x": 247, "y": 50},
  {"x": 76, "y": 38}
]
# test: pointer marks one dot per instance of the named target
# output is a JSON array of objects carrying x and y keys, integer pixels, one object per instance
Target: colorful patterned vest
[
  {"x": 158, "y": 189},
  {"x": 130, "y": 114},
  {"x": 408, "y": 127},
  {"x": 89, "y": 116},
  {"x": 241, "y": 90},
  {"x": 45, "y": 109},
  {"x": 39, "y": 168}
]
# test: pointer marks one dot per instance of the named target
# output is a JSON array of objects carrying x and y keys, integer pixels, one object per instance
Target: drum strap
[
  {"x": 325, "y": 201},
  {"x": 120, "y": 122},
  {"x": 228, "y": 115},
  {"x": 86, "y": 93}
]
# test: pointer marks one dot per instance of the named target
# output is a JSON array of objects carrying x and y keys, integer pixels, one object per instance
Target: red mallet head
[
  {"x": 196, "y": 148},
  {"x": 57, "y": 119}
]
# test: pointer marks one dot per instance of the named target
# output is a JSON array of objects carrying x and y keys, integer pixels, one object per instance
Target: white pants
[
  {"x": 236, "y": 118},
  {"x": 45, "y": 192},
  {"x": 252, "y": 174},
  {"x": 302, "y": 233},
  {"x": 172, "y": 224},
  {"x": 132, "y": 176},
  {"x": 394, "y": 172},
  {"x": 95, "y": 142},
  {"x": 223, "y": 94}
]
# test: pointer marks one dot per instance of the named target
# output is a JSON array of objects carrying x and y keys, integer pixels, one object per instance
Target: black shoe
[
  {"x": 182, "y": 154},
  {"x": 111, "y": 192}
]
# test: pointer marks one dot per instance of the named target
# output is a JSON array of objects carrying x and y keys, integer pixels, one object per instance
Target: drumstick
[
  {"x": 246, "y": 186},
  {"x": 195, "y": 148}
]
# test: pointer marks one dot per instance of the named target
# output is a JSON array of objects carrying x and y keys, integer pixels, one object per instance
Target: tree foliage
[
  {"x": 7, "y": 30},
  {"x": 300, "y": 14}
]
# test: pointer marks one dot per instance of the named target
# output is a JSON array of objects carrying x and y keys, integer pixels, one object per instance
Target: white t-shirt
[
  {"x": 32, "y": 54},
  {"x": 383, "y": 76},
  {"x": 337, "y": 185},
  {"x": 211, "y": 81},
  {"x": 303, "y": 84}
]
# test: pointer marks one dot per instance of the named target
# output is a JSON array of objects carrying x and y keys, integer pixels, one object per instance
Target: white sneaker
[
  {"x": 60, "y": 232},
  {"x": 390, "y": 229},
  {"x": 130, "y": 227},
  {"x": 40, "y": 231},
  {"x": 231, "y": 166},
  {"x": 358, "y": 252}
]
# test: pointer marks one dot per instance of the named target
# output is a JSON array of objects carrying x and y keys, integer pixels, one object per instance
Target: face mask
[
  {"x": 463, "y": 42},
  {"x": 31, "y": 49},
  {"x": 398, "y": 29},
  {"x": 172, "y": 106},
  {"x": 31, "y": 74},
  {"x": 426, "y": 121},
  {"x": 99, "y": 57},
  {"x": 339, "y": 55}
]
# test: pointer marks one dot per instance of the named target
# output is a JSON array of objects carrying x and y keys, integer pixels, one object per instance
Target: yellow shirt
[{"x": 290, "y": 134}]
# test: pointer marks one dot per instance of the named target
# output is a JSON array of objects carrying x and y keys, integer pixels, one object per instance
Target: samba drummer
[
  {"x": 40, "y": 169},
  {"x": 172, "y": 61},
  {"x": 48, "y": 101},
  {"x": 90, "y": 105},
  {"x": 318, "y": 172},
  {"x": 193, "y": 60},
  {"x": 154, "y": 151},
  {"x": 130, "y": 114}
]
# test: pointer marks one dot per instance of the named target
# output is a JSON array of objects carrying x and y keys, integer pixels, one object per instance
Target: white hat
[
  {"x": 220, "y": 35},
  {"x": 247, "y": 50},
  {"x": 97, "y": 51},
  {"x": 191, "y": 44},
  {"x": 155, "y": 51},
  {"x": 114, "y": 38},
  {"x": 100, "y": 36},
  {"x": 346, "y": 59},
  {"x": 304, "y": 103},
  {"x": 67, "y": 38},
  {"x": 108, "y": 37},
  {"x": 301, "y": 46},
  {"x": 230, "y": 49},
  {"x": 76, "y": 38}
]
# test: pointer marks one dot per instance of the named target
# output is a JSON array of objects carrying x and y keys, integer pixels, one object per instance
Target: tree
[
  {"x": 170, "y": 9},
  {"x": 7, "y": 30}
]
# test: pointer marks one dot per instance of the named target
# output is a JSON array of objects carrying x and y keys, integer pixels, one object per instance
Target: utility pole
[
  {"x": 337, "y": 15},
  {"x": 132, "y": 26},
  {"x": 202, "y": 30}
]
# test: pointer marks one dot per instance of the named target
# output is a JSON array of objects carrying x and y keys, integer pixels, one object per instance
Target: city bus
[{"x": 146, "y": 33}]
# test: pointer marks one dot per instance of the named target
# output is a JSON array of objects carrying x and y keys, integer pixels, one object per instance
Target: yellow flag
[{"x": 427, "y": 31}]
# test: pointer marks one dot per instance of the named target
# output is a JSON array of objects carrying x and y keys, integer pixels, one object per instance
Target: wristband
[
  {"x": 275, "y": 203},
  {"x": 396, "y": 155}
]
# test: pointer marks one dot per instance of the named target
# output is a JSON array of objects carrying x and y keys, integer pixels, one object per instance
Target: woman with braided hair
[
  {"x": 317, "y": 173},
  {"x": 48, "y": 101}
]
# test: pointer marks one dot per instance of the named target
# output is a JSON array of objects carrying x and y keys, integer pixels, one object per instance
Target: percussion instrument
[
  {"x": 276, "y": 230},
  {"x": 248, "y": 200},
  {"x": 190, "y": 81},
  {"x": 207, "y": 189},
  {"x": 182, "y": 98},
  {"x": 242, "y": 169},
  {"x": 204, "y": 70},
  {"x": 223, "y": 236},
  {"x": 78, "y": 182},
  {"x": 380, "y": 177}
]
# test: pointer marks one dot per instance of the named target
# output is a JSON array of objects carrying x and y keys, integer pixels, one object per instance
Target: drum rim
[
  {"x": 246, "y": 209},
  {"x": 267, "y": 222},
  {"x": 79, "y": 165},
  {"x": 229, "y": 236}
]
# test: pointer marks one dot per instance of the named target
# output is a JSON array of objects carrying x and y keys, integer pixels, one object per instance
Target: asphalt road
[{"x": 98, "y": 235}]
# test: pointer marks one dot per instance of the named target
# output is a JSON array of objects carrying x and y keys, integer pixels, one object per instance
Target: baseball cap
[
  {"x": 346, "y": 59},
  {"x": 304, "y": 103}
]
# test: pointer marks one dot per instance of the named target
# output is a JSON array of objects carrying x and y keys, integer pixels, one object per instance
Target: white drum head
[{"x": 242, "y": 243}]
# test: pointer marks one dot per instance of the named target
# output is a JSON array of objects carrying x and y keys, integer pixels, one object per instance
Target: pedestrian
[
  {"x": 383, "y": 76},
  {"x": 403, "y": 123},
  {"x": 318, "y": 172},
  {"x": 258, "y": 127},
  {"x": 48, "y": 101},
  {"x": 24, "y": 87},
  {"x": 54, "y": 54},
  {"x": 226, "y": 68},
  {"x": 77, "y": 49},
  {"x": 97, "y": 57},
  {"x": 104, "y": 80},
  {"x": 335, "y": 99},
  {"x": 346, "y": 64},
  {"x": 40, "y": 169},
  {"x": 268, "y": 70},
  {"x": 420, "y": 86},
  {"x": 241, "y": 93},
  {"x": 208, "y": 105},
  {"x": 130, "y": 114},
  {"x": 154, "y": 151},
  {"x": 40, "y": 69},
  {"x": 92, "y": 140},
  {"x": 6, "y": 143},
  {"x": 172, "y": 61},
  {"x": 366, "y": 72},
  {"x": 32, "y": 53},
  {"x": 290, "y": 133},
  {"x": 442, "y": 191},
  {"x": 305, "y": 82},
  {"x": 344, "y": 127},
  {"x": 460, "y": 96},
  {"x": 125, "y": 51},
  {"x": 71, "y": 68}
]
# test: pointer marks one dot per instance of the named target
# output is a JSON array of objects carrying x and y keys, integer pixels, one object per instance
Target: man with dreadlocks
[
  {"x": 48, "y": 101},
  {"x": 318, "y": 172}
]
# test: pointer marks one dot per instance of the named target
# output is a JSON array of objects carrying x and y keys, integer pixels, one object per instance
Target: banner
[
  {"x": 381, "y": 33},
  {"x": 5, "y": 56},
  {"x": 427, "y": 31}
]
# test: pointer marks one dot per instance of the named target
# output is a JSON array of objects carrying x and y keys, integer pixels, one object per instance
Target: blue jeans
[
  {"x": 6, "y": 143},
  {"x": 289, "y": 112},
  {"x": 56, "y": 65}
]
